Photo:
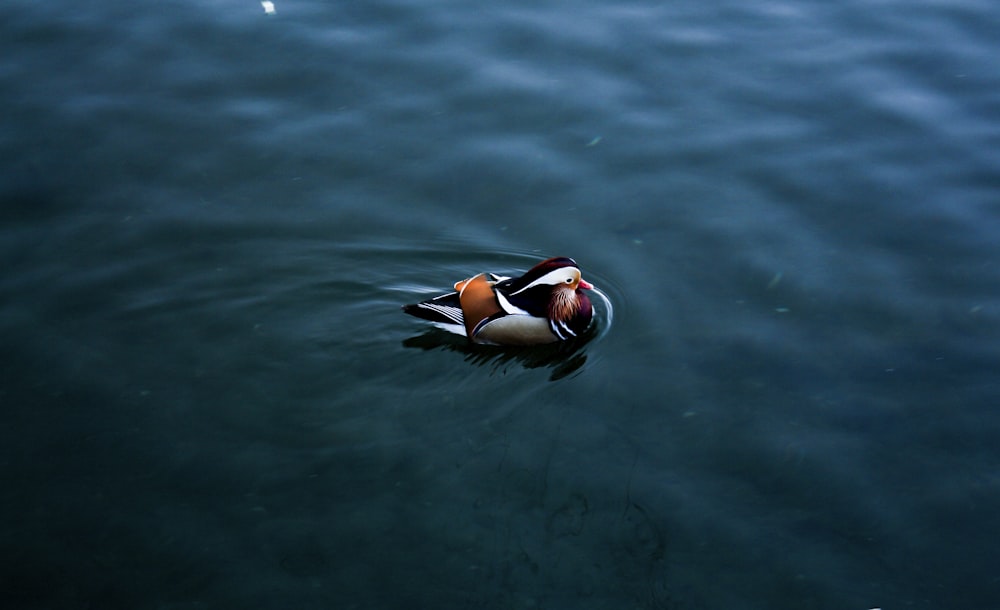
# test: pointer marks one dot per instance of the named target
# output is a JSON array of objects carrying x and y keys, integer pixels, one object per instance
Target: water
[{"x": 210, "y": 217}]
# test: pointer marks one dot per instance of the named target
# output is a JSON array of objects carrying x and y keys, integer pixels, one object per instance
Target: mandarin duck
[{"x": 545, "y": 305}]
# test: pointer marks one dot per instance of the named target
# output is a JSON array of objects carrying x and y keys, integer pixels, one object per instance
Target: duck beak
[{"x": 585, "y": 284}]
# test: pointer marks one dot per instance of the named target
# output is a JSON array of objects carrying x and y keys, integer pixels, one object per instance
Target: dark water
[{"x": 210, "y": 217}]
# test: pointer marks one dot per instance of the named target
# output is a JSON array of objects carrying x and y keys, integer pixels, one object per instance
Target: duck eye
[{"x": 569, "y": 280}]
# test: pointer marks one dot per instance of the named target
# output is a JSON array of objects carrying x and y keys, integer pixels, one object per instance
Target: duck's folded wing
[
  {"x": 443, "y": 310},
  {"x": 478, "y": 301}
]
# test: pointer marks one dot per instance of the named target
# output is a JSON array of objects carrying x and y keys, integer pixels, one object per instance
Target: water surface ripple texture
[{"x": 211, "y": 212}]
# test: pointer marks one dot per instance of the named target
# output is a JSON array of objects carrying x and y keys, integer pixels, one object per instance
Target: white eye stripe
[{"x": 556, "y": 276}]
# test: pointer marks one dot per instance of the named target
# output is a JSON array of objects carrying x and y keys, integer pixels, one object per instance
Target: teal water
[{"x": 211, "y": 216}]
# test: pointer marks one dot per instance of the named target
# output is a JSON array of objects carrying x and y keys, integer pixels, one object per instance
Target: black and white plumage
[{"x": 545, "y": 305}]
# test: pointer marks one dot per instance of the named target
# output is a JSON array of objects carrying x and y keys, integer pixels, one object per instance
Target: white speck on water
[
  {"x": 782, "y": 309},
  {"x": 268, "y": 6},
  {"x": 594, "y": 142}
]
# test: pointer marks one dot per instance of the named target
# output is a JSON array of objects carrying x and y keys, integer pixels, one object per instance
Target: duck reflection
[{"x": 563, "y": 358}]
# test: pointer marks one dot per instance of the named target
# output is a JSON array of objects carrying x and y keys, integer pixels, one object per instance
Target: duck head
[{"x": 553, "y": 288}]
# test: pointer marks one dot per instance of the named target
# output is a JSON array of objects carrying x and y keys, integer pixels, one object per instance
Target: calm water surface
[{"x": 211, "y": 215}]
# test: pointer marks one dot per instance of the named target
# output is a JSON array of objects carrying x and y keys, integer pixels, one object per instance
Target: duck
[{"x": 545, "y": 305}]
